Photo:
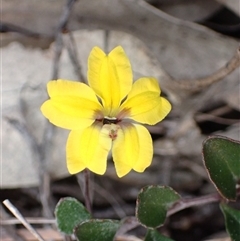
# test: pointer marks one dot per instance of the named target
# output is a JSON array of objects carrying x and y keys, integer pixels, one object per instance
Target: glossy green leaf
[
  {"x": 222, "y": 160},
  {"x": 69, "y": 213},
  {"x": 153, "y": 203},
  {"x": 232, "y": 221},
  {"x": 97, "y": 230},
  {"x": 154, "y": 235}
]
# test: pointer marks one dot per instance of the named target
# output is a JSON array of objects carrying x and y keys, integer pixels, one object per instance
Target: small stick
[
  {"x": 58, "y": 37},
  {"x": 111, "y": 199},
  {"x": 19, "y": 216},
  {"x": 73, "y": 55},
  {"x": 191, "y": 202},
  {"x": 12, "y": 221},
  {"x": 199, "y": 84}
]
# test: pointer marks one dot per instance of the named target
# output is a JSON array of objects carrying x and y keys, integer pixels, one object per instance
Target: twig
[
  {"x": 10, "y": 230},
  {"x": 101, "y": 191},
  {"x": 45, "y": 190},
  {"x": 132, "y": 222},
  {"x": 127, "y": 224},
  {"x": 178, "y": 206},
  {"x": 65, "y": 15},
  {"x": 22, "y": 128},
  {"x": 194, "y": 167},
  {"x": 191, "y": 202},
  {"x": 13, "y": 221},
  {"x": 48, "y": 132},
  {"x": 19, "y": 216},
  {"x": 8, "y": 27},
  {"x": 217, "y": 119},
  {"x": 57, "y": 54},
  {"x": 44, "y": 185},
  {"x": 72, "y": 52},
  {"x": 58, "y": 37},
  {"x": 127, "y": 238},
  {"x": 215, "y": 115},
  {"x": 198, "y": 84},
  {"x": 111, "y": 199}
]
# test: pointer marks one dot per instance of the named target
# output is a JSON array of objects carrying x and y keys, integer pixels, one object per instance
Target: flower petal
[
  {"x": 110, "y": 76},
  {"x": 72, "y": 105},
  {"x": 132, "y": 149},
  {"x": 62, "y": 87},
  {"x": 88, "y": 148},
  {"x": 144, "y": 103}
]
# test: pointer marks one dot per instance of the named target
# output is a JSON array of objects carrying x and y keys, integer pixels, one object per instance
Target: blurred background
[{"x": 185, "y": 44}]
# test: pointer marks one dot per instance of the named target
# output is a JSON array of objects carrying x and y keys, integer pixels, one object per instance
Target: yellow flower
[{"x": 103, "y": 115}]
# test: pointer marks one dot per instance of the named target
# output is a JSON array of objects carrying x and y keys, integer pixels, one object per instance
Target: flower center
[
  {"x": 113, "y": 130},
  {"x": 110, "y": 121},
  {"x": 112, "y": 126}
]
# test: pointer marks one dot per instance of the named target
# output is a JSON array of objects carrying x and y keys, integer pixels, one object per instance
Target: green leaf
[
  {"x": 222, "y": 160},
  {"x": 232, "y": 221},
  {"x": 153, "y": 203},
  {"x": 97, "y": 230},
  {"x": 154, "y": 235},
  {"x": 69, "y": 213}
]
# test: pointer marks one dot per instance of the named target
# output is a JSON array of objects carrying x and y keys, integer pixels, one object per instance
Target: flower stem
[{"x": 87, "y": 195}]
